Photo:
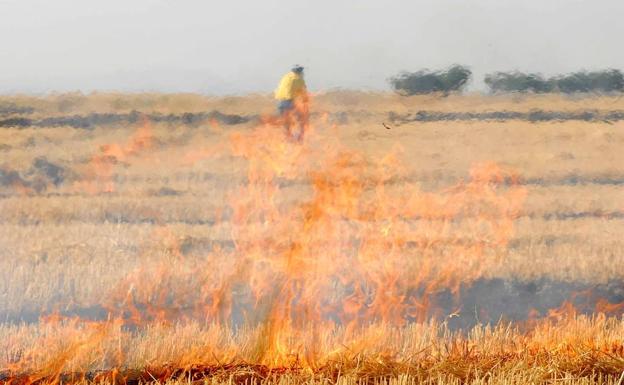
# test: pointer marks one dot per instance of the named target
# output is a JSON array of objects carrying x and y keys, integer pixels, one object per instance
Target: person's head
[{"x": 297, "y": 69}]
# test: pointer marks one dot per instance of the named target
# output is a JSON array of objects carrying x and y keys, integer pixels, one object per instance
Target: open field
[{"x": 180, "y": 237}]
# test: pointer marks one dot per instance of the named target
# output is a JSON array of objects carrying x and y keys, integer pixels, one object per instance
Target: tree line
[{"x": 455, "y": 78}]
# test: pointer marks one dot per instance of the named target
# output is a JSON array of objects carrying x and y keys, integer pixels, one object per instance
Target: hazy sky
[{"x": 239, "y": 46}]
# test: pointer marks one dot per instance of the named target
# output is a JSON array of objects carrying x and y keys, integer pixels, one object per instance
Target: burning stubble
[{"x": 361, "y": 277}]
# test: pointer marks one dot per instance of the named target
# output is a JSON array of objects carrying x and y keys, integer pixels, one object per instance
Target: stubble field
[{"x": 181, "y": 238}]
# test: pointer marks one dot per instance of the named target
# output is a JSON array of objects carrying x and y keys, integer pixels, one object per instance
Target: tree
[{"x": 423, "y": 82}]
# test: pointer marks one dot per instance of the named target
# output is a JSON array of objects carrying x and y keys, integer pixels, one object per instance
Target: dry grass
[
  {"x": 70, "y": 246},
  {"x": 579, "y": 350}
]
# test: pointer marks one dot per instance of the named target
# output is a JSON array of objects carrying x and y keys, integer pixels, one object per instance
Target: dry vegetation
[{"x": 117, "y": 265}]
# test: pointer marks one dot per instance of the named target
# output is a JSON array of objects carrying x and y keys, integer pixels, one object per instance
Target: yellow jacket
[{"x": 290, "y": 87}]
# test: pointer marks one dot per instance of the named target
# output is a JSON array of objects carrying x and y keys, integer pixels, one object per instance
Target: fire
[
  {"x": 100, "y": 171},
  {"x": 357, "y": 249},
  {"x": 345, "y": 274},
  {"x": 295, "y": 123},
  {"x": 68, "y": 346}
]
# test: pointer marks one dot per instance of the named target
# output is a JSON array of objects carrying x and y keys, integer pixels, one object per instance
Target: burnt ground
[
  {"x": 106, "y": 119},
  {"x": 38, "y": 177},
  {"x": 12, "y": 108},
  {"x": 494, "y": 300},
  {"x": 485, "y": 301},
  {"x": 530, "y": 116},
  {"x": 13, "y": 116}
]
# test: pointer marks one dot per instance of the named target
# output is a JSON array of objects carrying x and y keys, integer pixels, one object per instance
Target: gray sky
[{"x": 240, "y": 46}]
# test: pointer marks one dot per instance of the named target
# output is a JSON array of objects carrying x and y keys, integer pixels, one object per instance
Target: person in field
[{"x": 292, "y": 102}]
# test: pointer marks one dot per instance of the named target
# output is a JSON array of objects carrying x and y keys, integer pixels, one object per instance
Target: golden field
[{"x": 231, "y": 255}]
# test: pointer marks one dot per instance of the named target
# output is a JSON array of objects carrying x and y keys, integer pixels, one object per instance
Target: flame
[
  {"x": 604, "y": 306},
  {"x": 98, "y": 176},
  {"x": 343, "y": 273},
  {"x": 295, "y": 122},
  {"x": 66, "y": 345},
  {"x": 358, "y": 248}
]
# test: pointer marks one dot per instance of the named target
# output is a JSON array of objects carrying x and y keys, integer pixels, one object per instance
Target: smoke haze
[{"x": 243, "y": 46}]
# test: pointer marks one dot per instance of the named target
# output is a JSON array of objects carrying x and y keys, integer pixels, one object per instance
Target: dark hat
[{"x": 297, "y": 68}]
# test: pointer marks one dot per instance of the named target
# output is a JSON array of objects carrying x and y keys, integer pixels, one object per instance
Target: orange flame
[
  {"x": 357, "y": 247},
  {"x": 99, "y": 174}
]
